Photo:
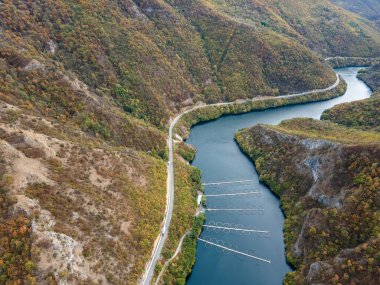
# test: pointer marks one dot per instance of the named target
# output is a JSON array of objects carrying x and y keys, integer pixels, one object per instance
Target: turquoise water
[{"x": 220, "y": 159}]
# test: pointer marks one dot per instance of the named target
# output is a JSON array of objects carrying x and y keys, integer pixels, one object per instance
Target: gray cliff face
[
  {"x": 316, "y": 176},
  {"x": 314, "y": 160}
]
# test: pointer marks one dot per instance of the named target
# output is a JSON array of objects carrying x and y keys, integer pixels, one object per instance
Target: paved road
[{"x": 149, "y": 271}]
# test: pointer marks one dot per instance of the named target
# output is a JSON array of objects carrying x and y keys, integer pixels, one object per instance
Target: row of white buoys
[
  {"x": 228, "y": 249},
  {"x": 238, "y": 211},
  {"x": 253, "y": 193},
  {"x": 228, "y": 228},
  {"x": 218, "y": 227},
  {"x": 219, "y": 183}
]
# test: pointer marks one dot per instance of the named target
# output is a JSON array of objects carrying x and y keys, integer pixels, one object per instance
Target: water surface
[{"x": 220, "y": 159}]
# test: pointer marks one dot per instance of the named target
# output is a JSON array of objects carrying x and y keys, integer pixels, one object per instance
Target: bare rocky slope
[{"x": 74, "y": 209}]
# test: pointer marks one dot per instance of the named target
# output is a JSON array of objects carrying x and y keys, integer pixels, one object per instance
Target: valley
[
  {"x": 220, "y": 159},
  {"x": 88, "y": 94}
]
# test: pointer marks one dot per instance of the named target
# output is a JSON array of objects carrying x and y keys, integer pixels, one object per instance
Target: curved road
[{"x": 149, "y": 271}]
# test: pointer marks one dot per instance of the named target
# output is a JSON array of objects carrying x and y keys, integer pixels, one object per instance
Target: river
[{"x": 220, "y": 159}]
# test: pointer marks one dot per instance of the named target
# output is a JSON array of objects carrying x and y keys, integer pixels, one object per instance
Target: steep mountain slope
[
  {"x": 74, "y": 209},
  {"x": 86, "y": 91},
  {"x": 320, "y": 24},
  {"x": 150, "y": 60},
  {"x": 139, "y": 60},
  {"x": 252, "y": 46},
  {"x": 369, "y": 9},
  {"x": 327, "y": 175},
  {"x": 328, "y": 178},
  {"x": 371, "y": 76},
  {"x": 363, "y": 114},
  {"x": 253, "y": 61}
]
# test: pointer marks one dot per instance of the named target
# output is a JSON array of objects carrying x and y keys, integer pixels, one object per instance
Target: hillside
[
  {"x": 87, "y": 89},
  {"x": 253, "y": 45},
  {"x": 152, "y": 58},
  {"x": 253, "y": 61},
  {"x": 322, "y": 26},
  {"x": 70, "y": 202},
  {"x": 139, "y": 61},
  {"x": 327, "y": 177},
  {"x": 371, "y": 76},
  {"x": 138, "y": 55},
  {"x": 363, "y": 114},
  {"x": 369, "y": 9}
]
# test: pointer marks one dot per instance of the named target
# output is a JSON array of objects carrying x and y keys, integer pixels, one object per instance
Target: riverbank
[
  {"x": 176, "y": 270},
  {"x": 371, "y": 76},
  {"x": 184, "y": 219},
  {"x": 206, "y": 113},
  {"x": 340, "y": 61},
  {"x": 213, "y": 112},
  {"x": 219, "y": 158},
  {"x": 325, "y": 176},
  {"x": 317, "y": 169}
]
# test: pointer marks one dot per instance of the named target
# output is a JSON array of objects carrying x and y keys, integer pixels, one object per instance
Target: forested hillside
[
  {"x": 363, "y": 114},
  {"x": 369, "y": 9},
  {"x": 371, "y": 76},
  {"x": 319, "y": 24},
  {"x": 87, "y": 89},
  {"x": 327, "y": 175}
]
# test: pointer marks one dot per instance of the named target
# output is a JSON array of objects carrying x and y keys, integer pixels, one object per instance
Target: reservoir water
[{"x": 220, "y": 159}]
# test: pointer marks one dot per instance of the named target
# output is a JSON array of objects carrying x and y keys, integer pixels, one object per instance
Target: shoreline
[
  {"x": 194, "y": 116},
  {"x": 206, "y": 113},
  {"x": 249, "y": 105},
  {"x": 266, "y": 182},
  {"x": 341, "y": 61}
]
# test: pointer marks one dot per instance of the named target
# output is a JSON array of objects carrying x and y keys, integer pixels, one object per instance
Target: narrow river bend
[{"x": 220, "y": 159}]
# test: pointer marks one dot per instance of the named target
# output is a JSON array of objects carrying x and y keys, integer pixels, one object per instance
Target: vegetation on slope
[
  {"x": 371, "y": 76},
  {"x": 138, "y": 56},
  {"x": 86, "y": 201},
  {"x": 249, "y": 61},
  {"x": 213, "y": 112},
  {"x": 308, "y": 128},
  {"x": 363, "y": 114},
  {"x": 15, "y": 242},
  {"x": 369, "y": 9},
  {"x": 180, "y": 267},
  {"x": 338, "y": 62},
  {"x": 327, "y": 177},
  {"x": 319, "y": 24},
  {"x": 86, "y": 91},
  {"x": 44, "y": 90}
]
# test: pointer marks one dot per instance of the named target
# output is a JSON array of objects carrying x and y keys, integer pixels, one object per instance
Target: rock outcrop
[{"x": 330, "y": 193}]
